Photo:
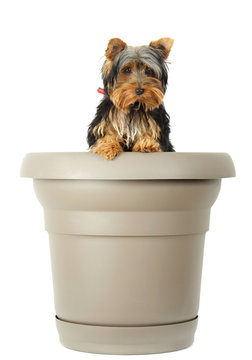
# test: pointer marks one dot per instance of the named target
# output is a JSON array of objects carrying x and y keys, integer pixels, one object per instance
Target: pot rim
[{"x": 127, "y": 166}]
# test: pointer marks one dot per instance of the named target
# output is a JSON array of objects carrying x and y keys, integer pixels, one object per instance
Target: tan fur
[
  {"x": 114, "y": 47},
  {"x": 120, "y": 129},
  {"x": 146, "y": 144},
  {"x": 129, "y": 130},
  {"x": 107, "y": 146},
  {"x": 123, "y": 94},
  {"x": 164, "y": 45},
  {"x": 99, "y": 130},
  {"x": 107, "y": 67}
]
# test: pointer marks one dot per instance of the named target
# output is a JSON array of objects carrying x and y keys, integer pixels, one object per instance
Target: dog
[{"x": 131, "y": 115}]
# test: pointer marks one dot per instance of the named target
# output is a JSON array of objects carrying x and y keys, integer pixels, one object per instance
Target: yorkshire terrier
[{"x": 131, "y": 116}]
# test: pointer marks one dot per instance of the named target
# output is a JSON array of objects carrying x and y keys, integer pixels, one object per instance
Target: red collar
[{"x": 101, "y": 91}]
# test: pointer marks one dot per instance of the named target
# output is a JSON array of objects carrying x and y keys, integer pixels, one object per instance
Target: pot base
[{"x": 127, "y": 340}]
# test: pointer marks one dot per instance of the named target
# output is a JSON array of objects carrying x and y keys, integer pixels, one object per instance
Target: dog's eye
[
  {"x": 149, "y": 71},
  {"x": 127, "y": 70}
]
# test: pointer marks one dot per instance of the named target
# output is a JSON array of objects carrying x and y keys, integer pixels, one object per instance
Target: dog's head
[{"x": 136, "y": 76}]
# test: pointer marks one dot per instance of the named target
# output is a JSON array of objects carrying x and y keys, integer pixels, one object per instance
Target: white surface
[{"x": 51, "y": 55}]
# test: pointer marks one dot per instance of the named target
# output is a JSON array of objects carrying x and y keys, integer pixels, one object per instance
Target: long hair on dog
[{"x": 131, "y": 116}]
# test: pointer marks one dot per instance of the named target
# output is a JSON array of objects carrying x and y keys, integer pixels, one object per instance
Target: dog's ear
[
  {"x": 163, "y": 45},
  {"x": 115, "y": 46}
]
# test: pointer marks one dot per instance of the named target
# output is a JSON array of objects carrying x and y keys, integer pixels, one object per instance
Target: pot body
[{"x": 126, "y": 260}]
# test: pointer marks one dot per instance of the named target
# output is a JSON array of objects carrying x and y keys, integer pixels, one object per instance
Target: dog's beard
[
  {"x": 125, "y": 98},
  {"x": 135, "y": 106}
]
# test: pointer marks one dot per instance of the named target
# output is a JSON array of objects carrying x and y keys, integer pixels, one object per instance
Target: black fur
[
  {"x": 101, "y": 112},
  {"x": 163, "y": 121}
]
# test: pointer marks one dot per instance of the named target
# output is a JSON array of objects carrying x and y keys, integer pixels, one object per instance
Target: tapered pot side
[{"x": 127, "y": 241}]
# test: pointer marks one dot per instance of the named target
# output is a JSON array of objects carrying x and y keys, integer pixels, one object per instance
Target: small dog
[{"x": 131, "y": 116}]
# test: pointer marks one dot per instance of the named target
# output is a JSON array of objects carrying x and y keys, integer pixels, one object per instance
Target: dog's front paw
[
  {"x": 111, "y": 151},
  {"x": 107, "y": 147},
  {"x": 146, "y": 144}
]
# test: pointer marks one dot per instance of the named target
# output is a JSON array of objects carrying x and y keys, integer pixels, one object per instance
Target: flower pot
[{"x": 127, "y": 241}]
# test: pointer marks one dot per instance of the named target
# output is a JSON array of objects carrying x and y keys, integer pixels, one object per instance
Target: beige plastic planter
[{"x": 127, "y": 240}]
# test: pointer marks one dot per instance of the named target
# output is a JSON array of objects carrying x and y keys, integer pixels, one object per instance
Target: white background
[{"x": 51, "y": 55}]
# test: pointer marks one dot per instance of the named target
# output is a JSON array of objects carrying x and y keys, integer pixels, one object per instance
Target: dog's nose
[{"x": 139, "y": 91}]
